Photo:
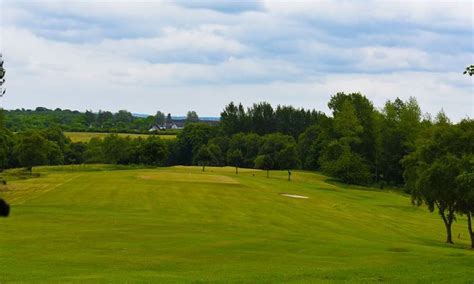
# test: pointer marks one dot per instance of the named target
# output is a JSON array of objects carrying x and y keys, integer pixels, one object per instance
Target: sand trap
[{"x": 294, "y": 195}]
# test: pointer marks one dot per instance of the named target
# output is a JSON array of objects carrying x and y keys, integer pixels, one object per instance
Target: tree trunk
[
  {"x": 469, "y": 227},
  {"x": 203, "y": 168},
  {"x": 289, "y": 175},
  {"x": 236, "y": 170},
  {"x": 449, "y": 237},
  {"x": 447, "y": 223}
]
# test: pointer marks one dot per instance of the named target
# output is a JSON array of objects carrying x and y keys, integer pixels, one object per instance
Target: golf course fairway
[{"x": 179, "y": 224}]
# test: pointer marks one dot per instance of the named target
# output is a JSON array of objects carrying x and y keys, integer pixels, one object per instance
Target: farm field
[
  {"x": 93, "y": 223},
  {"x": 86, "y": 136}
]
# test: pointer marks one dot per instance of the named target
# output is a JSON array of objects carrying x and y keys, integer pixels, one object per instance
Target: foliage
[
  {"x": 469, "y": 70},
  {"x": 262, "y": 119},
  {"x": 235, "y": 158},
  {"x": 433, "y": 171},
  {"x": 32, "y": 149},
  {"x": 192, "y": 117},
  {"x": 190, "y": 140},
  {"x": 153, "y": 151},
  {"x": 203, "y": 157},
  {"x": 264, "y": 162},
  {"x": 339, "y": 161}
]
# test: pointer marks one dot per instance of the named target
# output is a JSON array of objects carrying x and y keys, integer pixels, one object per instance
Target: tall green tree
[
  {"x": 437, "y": 188},
  {"x": 115, "y": 149},
  {"x": 249, "y": 145},
  {"x": 203, "y": 157},
  {"x": 287, "y": 158},
  {"x": 400, "y": 126},
  {"x": 192, "y": 117},
  {"x": 432, "y": 170},
  {"x": 190, "y": 140},
  {"x": 364, "y": 130},
  {"x": 160, "y": 118},
  {"x": 235, "y": 158},
  {"x": 153, "y": 151},
  {"x": 31, "y": 149},
  {"x": 264, "y": 162},
  {"x": 465, "y": 183},
  {"x": 262, "y": 118}
]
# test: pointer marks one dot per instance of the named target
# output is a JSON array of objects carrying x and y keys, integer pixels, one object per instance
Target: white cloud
[{"x": 153, "y": 55}]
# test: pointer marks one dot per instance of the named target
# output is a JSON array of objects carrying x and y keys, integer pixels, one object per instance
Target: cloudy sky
[{"x": 183, "y": 55}]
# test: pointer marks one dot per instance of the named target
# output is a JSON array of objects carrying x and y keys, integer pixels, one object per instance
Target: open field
[
  {"x": 86, "y": 136},
  {"x": 76, "y": 224}
]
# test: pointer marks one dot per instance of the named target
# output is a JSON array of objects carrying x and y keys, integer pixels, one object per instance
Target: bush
[{"x": 4, "y": 208}]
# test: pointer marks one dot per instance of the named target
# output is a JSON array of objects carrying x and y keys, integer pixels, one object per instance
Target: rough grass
[
  {"x": 81, "y": 225},
  {"x": 86, "y": 136}
]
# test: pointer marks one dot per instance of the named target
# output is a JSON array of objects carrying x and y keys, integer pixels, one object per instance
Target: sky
[{"x": 176, "y": 56}]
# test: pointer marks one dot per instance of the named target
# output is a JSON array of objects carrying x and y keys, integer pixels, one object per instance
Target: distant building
[{"x": 154, "y": 128}]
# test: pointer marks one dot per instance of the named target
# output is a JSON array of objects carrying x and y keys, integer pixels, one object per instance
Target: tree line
[
  {"x": 430, "y": 157},
  {"x": 103, "y": 121}
]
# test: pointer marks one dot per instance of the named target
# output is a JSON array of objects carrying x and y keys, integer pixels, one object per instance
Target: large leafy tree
[
  {"x": 203, "y": 157},
  {"x": 465, "y": 182},
  {"x": 262, "y": 117},
  {"x": 264, "y": 162},
  {"x": 432, "y": 172},
  {"x": 192, "y": 117},
  {"x": 287, "y": 158},
  {"x": 363, "y": 127},
  {"x": 160, "y": 118},
  {"x": 153, "y": 151},
  {"x": 437, "y": 188},
  {"x": 235, "y": 158},
  {"x": 190, "y": 140},
  {"x": 31, "y": 149},
  {"x": 400, "y": 125},
  {"x": 116, "y": 150},
  {"x": 312, "y": 142},
  {"x": 249, "y": 145},
  {"x": 340, "y": 158}
]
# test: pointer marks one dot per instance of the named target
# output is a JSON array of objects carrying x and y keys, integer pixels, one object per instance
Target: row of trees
[
  {"x": 50, "y": 147},
  {"x": 358, "y": 144},
  {"x": 262, "y": 119},
  {"x": 102, "y": 121}
]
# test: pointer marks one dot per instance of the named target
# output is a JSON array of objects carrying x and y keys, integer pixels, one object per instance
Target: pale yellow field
[{"x": 86, "y": 136}]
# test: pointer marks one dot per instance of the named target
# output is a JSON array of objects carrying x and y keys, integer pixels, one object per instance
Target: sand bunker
[{"x": 294, "y": 195}]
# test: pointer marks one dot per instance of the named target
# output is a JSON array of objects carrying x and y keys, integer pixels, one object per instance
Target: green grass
[
  {"x": 86, "y": 136},
  {"x": 95, "y": 224}
]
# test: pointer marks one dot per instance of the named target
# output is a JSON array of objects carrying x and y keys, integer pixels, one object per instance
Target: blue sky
[{"x": 175, "y": 56}]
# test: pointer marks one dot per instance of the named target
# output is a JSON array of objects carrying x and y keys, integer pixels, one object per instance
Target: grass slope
[
  {"x": 86, "y": 136},
  {"x": 181, "y": 225}
]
